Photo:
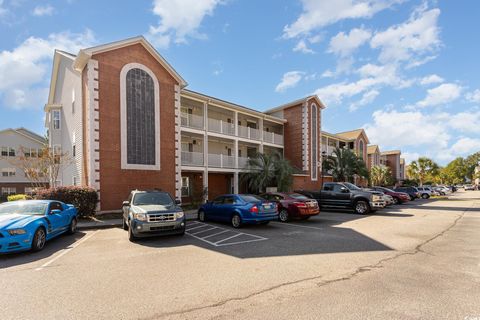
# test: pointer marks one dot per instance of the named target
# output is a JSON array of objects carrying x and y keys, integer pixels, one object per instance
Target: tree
[
  {"x": 471, "y": 162},
  {"x": 344, "y": 164},
  {"x": 455, "y": 172},
  {"x": 422, "y": 168},
  {"x": 266, "y": 170},
  {"x": 380, "y": 175}
]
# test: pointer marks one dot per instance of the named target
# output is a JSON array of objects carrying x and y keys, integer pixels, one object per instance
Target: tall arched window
[
  {"x": 360, "y": 149},
  {"x": 140, "y": 118},
  {"x": 314, "y": 140}
]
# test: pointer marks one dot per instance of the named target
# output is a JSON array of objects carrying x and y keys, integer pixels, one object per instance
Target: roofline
[
  {"x": 296, "y": 102},
  {"x": 361, "y": 131},
  {"x": 333, "y": 135},
  {"x": 391, "y": 152},
  {"x": 85, "y": 54},
  {"x": 233, "y": 106},
  {"x": 25, "y": 135}
]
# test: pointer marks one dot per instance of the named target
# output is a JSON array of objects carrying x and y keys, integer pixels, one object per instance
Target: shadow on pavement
[{"x": 51, "y": 247}]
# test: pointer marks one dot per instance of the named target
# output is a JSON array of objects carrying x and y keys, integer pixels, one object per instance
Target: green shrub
[
  {"x": 83, "y": 198},
  {"x": 15, "y": 197}
]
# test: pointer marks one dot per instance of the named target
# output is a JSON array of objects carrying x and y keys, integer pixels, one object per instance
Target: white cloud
[
  {"x": 302, "y": 47},
  {"x": 24, "y": 70},
  {"x": 3, "y": 10},
  {"x": 180, "y": 19},
  {"x": 474, "y": 96},
  {"x": 46, "y": 10},
  {"x": 443, "y": 94},
  {"x": 404, "y": 42},
  {"x": 465, "y": 146},
  {"x": 289, "y": 80},
  {"x": 343, "y": 44},
  {"x": 368, "y": 97},
  {"x": 468, "y": 122},
  {"x": 410, "y": 156},
  {"x": 320, "y": 13},
  {"x": 433, "y": 78}
]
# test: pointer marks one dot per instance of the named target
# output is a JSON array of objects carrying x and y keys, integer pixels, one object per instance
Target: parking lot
[{"x": 216, "y": 268}]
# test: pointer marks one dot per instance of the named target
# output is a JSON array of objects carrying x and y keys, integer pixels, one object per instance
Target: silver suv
[{"x": 151, "y": 213}]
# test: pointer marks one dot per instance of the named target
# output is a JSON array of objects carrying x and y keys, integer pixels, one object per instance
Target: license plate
[{"x": 267, "y": 206}]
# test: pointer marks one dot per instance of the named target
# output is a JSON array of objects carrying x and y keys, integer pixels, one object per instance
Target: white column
[
  {"x": 205, "y": 116},
  {"x": 235, "y": 182},
  {"x": 205, "y": 184},
  {"x": 235, "y": 122},
  {"x": 260, "y": 128},
  {"x": 235, "y": 153}
]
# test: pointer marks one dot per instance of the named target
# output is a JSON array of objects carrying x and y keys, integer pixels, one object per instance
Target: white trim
[
  {"x": 178, "y": 139},
  {"x": 123, "y": 118},
  {"x": 305, "y": 138},
  {"x": 314, "y": 165}
]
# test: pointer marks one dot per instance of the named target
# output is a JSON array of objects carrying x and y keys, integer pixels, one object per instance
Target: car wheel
[
  {"x": 412, "y": 198},
  {"x": 236, "y": 221},
  {"x": 201, "y": 216},
  {"x": 124, "y": 224},
  {"x": 425, "y": 196},
  {"x": 396, "y": 201},
  {"x": 283, "y": 215},
  {"x": 361, "y": 207},
  {"x": 72, "y": 228},
  {"x": 131, "y": 236},
  {"x": 39, "y": 240}
]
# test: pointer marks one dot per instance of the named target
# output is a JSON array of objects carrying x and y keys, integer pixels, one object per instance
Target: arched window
[
  {"x": 314, "y": 140},
  {"x": 360, "y": 149},
  {"x": 140, "y": 118}
]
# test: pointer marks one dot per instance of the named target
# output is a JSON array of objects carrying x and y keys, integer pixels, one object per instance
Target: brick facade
[{"x": 116, "y": 182}]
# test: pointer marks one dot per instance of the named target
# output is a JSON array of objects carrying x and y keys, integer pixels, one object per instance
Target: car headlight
[
  {"x": 376, "y": 198},
  {"x": 140, "y": 216},
  {"x": 179, "y": 214},
  {"x": 16, "y": 232}
]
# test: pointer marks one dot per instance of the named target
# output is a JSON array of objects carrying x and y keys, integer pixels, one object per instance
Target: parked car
[
  {"x": 469, "y": 187},
  {"x": 411, "y": 191},
  {"x": 440, "y": 191},
  {"x": 239, "y": 209},
  {"x": 346, "y": 195},
  {"x": 424, "y": 192},
  {"x": 29, "y": 224},
  {"x": 152, "y": 213},
  {"x": 398, "y": 197},
  {"x": 293, "y": 205}
]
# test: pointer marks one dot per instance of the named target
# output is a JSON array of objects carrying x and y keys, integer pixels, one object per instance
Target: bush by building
[
  {"x": 83, "y": 198},
  {"x": 15, "y": 197}
]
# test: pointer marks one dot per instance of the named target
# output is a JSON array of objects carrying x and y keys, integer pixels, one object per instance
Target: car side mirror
[
  {"x": 344, "y": 190},
  {"x": 125, "y": 204},
  {"x": 55, "y": 211},
  {"x": 177, "y": 201}
]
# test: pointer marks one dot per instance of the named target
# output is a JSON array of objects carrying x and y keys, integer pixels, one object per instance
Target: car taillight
[
  {"x": 254, "y": 209},
  {"x": 300, "y": 204}
]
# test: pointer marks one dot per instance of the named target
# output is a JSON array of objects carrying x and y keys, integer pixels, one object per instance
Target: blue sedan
[
  {"x": 239, "y": 209},
  {"x": 28, "y": 224}
]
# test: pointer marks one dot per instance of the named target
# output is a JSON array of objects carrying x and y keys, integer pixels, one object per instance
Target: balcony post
[
  {"x": 235, "y": 182},
  {"x": 235, "y": 123},
  {"x": 205, "y": 151},
  {"x": 235, "y": 153},
  {"x": 205, "y": 116},
  {"x": 221, "y": 160}
]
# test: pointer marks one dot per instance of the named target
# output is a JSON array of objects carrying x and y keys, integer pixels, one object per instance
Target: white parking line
[
  {"x": 297, "y": 225},
  {"x": 221, "y": 242},
  {"x": 65, "y": 251}
]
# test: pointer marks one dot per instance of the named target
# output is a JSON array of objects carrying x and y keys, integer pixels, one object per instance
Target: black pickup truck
[{"x": 346, "y": 195}]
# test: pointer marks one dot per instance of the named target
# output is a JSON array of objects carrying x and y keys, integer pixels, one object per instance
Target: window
[
  {"x": 56, "y": 119},
  {"x": 360, "y": 149},
  {"x": 140, "y": 118},
  {"x": 9, "y": 190},
  {"x": 314, "y": 133},
  {"x": 11, "y": 152},
  {"x": 4, "y": 152},
  {"x": 8, "y": 172},
  {"x": 33, "y": 153},
  {"x": 73, "y": 151},
  {"x": 74, "y": 181},
  {"x": 218, "y": 200},
  {"x": 29, "y": 191},
  {"x": 185, "y": 186}
]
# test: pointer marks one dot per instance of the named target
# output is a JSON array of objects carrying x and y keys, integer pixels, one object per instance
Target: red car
[
  {"x": 293, "y": 205},
  {"x": 398, "y": 197}
]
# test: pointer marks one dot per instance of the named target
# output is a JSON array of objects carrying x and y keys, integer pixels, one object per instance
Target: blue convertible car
[
  {"x": 239, "y": 209},
  {"x": 28, "y": 224}
]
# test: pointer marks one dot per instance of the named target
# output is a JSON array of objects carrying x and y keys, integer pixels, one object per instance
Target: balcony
[
  {"x": 221, "y": 161},
  {"x": 249, "y": 133},
  {"x": 242, "y": 162},
  {"x": 191, "y": 120},
  {"x": 271, "y": 137},
  {"x": 192, "y": 158},
  {"x": 221, "y": 126}
]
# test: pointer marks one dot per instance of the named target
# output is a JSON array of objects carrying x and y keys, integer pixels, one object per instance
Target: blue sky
[{"x": 406, "y": 71}]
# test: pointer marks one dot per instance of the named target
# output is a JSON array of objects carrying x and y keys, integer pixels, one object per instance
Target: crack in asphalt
[{"x": 359, "y": 270}]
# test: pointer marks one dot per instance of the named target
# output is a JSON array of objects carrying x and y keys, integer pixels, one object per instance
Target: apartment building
[
  {"x": 13, "y": 144},
  {"x": 391, "y": 159},
  {"x": 373, "y": 156},
  {"x": 127, "y": 118}
]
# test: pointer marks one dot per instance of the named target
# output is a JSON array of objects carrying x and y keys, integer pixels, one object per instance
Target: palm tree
[
  {"x": 344, "y": 164},
  {"x": 266, "y": 170},
  {"x": 380, "y": 175},
  {"x": 422, "y": 168}
]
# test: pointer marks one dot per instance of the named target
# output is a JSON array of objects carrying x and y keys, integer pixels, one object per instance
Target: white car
[
  {"x": 424, "y": 192},
  {"x": 469, "y": 187}
]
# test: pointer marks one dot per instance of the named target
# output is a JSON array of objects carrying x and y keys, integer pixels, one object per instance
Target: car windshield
[
  {"x": 251, "y": 198},
  {"x": 36, "y": 208},
  {"x": 386, "y": 189},
  {"x": 154, "y": 198},
  {"x": 351, "y": 186},
  {"x": 298, "y": 196}
]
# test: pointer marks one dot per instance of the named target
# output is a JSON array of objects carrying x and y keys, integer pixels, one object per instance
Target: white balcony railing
[
  {"x": 191, "y": 120},
  {"x": 272, "y": 137},
  {"x": 220, "y": 161},
  {"x": 192, "y": 158},
  {"x": 249, "y": 133},
  {"x": 242, "y": 162},
  {"x": 221, "y": 126}
]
